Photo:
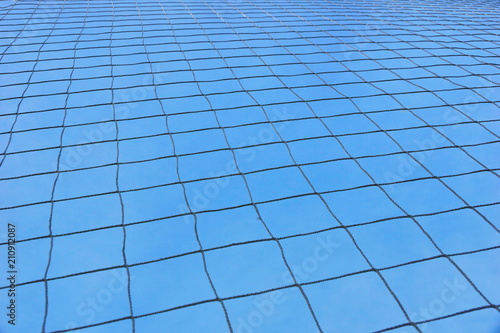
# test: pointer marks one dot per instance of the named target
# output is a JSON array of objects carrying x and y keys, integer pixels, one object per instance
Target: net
[{"x": 250, "y": 166}]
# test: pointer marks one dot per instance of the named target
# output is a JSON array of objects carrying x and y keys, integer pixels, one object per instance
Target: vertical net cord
[
  {"x": 413, "y": 83},
  {"x": 458, "y": 268},
  {"x": 26, "y": 25},
  {"x": 7, "y": 12},
  {"x": 16, "y": 116},
  {"x": 421, "y": 119},
  {"x": 419, "y": 66},
  {"x": 58, "y": 165},
  {"x": 184, "y": 191},
  {"x": 433, "y": 127},
  {"x": 240, "y": 173},
  {"x": 385, "y": 191},
  {"x": 117, "y": 181},
  {"x": 457, "y": 50},
  {"x": 423, "y": 17},
  {"x": 197, "y": 9},
  {"x": 372, "y": 268}
]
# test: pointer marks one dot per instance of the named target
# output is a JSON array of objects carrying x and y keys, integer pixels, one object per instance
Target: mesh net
[{"x": 251, "y": 166}]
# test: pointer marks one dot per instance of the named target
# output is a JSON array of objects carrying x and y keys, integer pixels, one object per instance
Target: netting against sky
[{"x": 251, "y": 166}]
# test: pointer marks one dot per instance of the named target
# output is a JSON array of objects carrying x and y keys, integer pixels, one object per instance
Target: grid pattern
[{"x": 252, "y": 166}]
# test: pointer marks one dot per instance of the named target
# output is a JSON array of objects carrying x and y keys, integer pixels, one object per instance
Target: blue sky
[{"x": 236, "y": 166}]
